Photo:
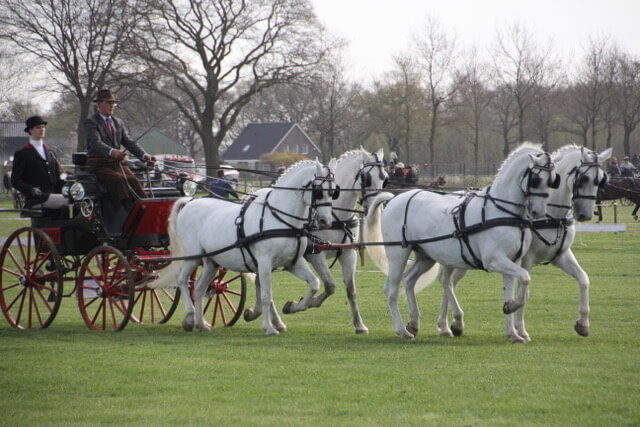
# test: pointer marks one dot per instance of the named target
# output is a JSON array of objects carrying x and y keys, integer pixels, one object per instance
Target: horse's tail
[
  {"x": 427, "y": 278},
  {"x": 167, "y": 276},
  {"x": 373, "y": 232}
]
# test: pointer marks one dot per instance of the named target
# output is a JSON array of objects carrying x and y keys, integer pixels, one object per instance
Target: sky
[{"x": 378, "y": 29}]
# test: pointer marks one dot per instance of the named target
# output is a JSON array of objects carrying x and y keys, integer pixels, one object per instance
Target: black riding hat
[{"x": 33, "y": 122}]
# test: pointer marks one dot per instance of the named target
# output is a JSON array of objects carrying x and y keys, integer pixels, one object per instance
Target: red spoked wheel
[
  {"x": 155, "y": 305},
  {"x": 31, "y": 280},
  {"x": 105, "y": 289},
  {"x": 224, "y": 299}
]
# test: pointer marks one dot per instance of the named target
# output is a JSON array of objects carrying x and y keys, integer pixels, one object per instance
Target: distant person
[
  {"x": 614, "y": 168},
  {"x": 393, "y": 157},
  {"x": 626, "y": 168},
  {"x": 635, "y": 160},
  {"x": 400, "y": 172},
  {"x": 221, "y": 187},
  {"x": 36, "y": 171},
  {"x": 281, "y": 170},
  {"x": 107, "y": 140}
]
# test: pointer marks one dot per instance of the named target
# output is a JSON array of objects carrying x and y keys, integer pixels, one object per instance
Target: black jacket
[
  {"x": 99, "y": 142},
  {"x": 30, "y": 170}
]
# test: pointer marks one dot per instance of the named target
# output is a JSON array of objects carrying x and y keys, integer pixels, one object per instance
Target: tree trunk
[{"x": 82, "y": 136}]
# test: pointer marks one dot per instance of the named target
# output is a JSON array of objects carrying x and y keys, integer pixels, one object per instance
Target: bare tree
[
  {"x": 505, "y": 113},
  {"x": 523, "y": 68},
  {"x": 626, "y": 97},
  {"x": 584, "y": 100},
  {"x": 436, "y": 52},
  {"x": 472, "y": 102},
  {"x": 406, "y": 76},
  {"x": 80, "y": 42},
  {"x": 221, "y": 53}
]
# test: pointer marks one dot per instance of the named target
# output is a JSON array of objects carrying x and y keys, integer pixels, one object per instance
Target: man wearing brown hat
[
  {"x": 36, "y": 171},
  {"x": 107, "y": 140}
]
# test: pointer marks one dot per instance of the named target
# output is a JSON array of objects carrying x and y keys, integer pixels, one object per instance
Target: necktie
[{"x": 110, "y": 127}]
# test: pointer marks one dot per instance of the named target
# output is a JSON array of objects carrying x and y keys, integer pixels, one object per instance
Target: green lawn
[{"x": 320, "y": 373}]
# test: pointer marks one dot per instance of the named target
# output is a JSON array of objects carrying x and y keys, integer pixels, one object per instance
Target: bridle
[
  {"x": 581, "y": 178},
  {"x": 364, "y": 175},
  {"x": 532, "y": 175}
]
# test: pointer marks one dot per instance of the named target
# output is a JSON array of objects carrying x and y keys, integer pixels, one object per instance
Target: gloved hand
[
  {"x": 118, "y": 154},
  {"x": 150, "y": 160},
  {"x": 36, "y": 192}
]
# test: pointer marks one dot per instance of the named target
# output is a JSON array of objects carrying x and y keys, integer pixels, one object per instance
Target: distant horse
[{"x": 618, "y": 188}]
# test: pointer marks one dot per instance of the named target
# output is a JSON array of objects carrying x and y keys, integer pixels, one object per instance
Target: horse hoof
[
  {"x": 413, "y": 331},
  {"x": 363, "y": 330},
  {"x": 188, "y": 327},
  {"x": 446, "y": 334},
  {"x": 457, "y": 332},
  {"x": 249, "y": 315},
  {"x": 517, "y": 339},
  {"x": 281, "y": 328},
  {"x": 509, "y": 307},
  {"x": 286, "y": 309},
  {"x": 583, "y": 331},
  {"x": 272, "y": 332}
]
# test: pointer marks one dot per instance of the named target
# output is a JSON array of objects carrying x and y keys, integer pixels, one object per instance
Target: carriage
[{"x": 105, "y": 258}]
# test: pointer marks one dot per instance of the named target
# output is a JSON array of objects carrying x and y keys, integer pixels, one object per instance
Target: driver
[{"x": 106, "y": 137}]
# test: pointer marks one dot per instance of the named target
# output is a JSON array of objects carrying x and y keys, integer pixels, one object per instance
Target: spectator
[
  {"x": 614, "y": 169},
  {"x": 635, "y": 160},
  {"x": 393, "y": 157},
  {"x": 36, "y": 171},
  {"x": 221, "y": 187},
  {"x": 281, "y": 170},
  {"x": 400, "y": 172},
  {"x": 626, "y": 168}
]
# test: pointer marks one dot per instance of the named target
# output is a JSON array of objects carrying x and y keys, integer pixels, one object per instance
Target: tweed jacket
[
  {"x": 99, "y": 142},
  {"x": 30, "y": 170}
]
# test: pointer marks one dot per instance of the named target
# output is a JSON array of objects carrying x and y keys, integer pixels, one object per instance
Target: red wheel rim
[
  {"x": 30, "y": 279},
  {"x": 105, "y": 290}
]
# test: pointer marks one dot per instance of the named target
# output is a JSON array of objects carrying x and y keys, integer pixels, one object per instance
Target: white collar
[{"x": 39, "y": 146}]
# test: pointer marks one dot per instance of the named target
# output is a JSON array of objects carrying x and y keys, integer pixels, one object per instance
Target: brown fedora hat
[
  {"x": 33, "y": 122},
  {"x": 105, "y": 95}
]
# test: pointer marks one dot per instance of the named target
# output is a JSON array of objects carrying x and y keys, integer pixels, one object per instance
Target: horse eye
[{"x": 583, "y": 180}]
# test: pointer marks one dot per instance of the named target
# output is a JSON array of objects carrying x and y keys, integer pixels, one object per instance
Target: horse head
[
  {"x": 371, "y": 177},
  {"x": 537, "y": 180},
  {"x": 588, "y": 179},
  {"x": 323, "y": 192}
]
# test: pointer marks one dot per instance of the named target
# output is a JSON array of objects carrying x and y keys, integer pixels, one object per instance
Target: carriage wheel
[
  {"x": 625, "y": 202},
  {"x": 155, "y": 305},
  {"x": 31, "y": 280},
  {"x": 224, "y": 299},
  {"x": 105, "y": 289}
]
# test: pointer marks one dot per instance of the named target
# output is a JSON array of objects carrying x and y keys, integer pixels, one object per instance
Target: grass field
[{"x": 320, "y": 373}]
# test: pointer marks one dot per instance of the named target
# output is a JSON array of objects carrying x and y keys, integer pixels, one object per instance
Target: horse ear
[
  {"x": 380, "y": 154},
  {"x": 605, "y": 155}
]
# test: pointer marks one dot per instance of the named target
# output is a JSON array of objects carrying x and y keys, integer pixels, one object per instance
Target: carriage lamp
[
  {"x": 189, "y": 187},
  {"x": 65, "y": 190},
  {"x": 77, "y": 191}
]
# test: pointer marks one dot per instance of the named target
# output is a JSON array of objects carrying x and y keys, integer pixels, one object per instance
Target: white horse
[
  {"x": 582, "y": 175},
  {"x": 360, "y": 176},
  {"x": 487, "y": 231},
  {"x": 264, "y": 233}
]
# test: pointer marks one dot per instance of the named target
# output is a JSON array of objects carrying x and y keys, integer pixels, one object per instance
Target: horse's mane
[
  {"x": 294, "y": 167},
  {"x": 351, "y": 152},
  {"x": 523, "y": 146},
  {"x": 562, "y": 151}
]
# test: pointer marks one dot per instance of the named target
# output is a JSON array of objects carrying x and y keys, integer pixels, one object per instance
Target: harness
[
  {"x": 243, "y": 241},
  {"x": 462, "y": 231}
]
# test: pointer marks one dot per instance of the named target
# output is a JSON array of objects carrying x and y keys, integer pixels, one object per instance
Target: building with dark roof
[
  {"x": 257, "y": 139},
  {"x": 12, "y": 138}
]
